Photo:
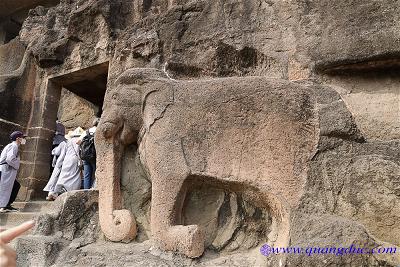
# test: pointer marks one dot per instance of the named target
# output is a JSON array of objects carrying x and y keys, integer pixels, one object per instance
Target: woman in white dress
[
  {"x": 69, "y": 177},
  {"x": 58, "y": 153}
]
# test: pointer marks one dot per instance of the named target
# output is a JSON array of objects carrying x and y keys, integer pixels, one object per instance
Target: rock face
[
  {"x": 194, "y": 145},
  {"x": 15, "y": 78},
  {"x": 73, "y": 223},
  {"x": 346, "y": 33},
  {"x": 208, "y": 104},
  {"x": 74, "y": 217},
  {"x": 373, "y": 99},
  {"x": 75, "y": 111}
]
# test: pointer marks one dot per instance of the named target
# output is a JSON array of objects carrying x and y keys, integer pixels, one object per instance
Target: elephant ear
[{"x": 141, "y": 76}]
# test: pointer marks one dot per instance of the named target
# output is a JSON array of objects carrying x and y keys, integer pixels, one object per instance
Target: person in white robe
[
  {"x": 69, "y": 177},
  {"x": 9, "y": 165},
  {"x": 58, "y": 158}
]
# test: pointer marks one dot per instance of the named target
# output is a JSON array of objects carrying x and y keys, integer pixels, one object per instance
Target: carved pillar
[
  {"x": 22, "y": 102},
  {"x": 35, "y": 167}
]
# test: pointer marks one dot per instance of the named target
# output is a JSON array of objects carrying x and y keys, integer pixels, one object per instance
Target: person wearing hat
[
  {"x": 9, "y": 165},
  {"x": 58, "y": 139},
  {"x": 59, "y": 135},
  {"x": 59, "y": 154},
  {"x": 68, "y": 176}
]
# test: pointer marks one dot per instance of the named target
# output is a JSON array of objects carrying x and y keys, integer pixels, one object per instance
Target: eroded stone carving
[
  {"x": 15, "y": 74},
  {"x": 351, "y": 192},
  {"x": 251, "y": 135}
]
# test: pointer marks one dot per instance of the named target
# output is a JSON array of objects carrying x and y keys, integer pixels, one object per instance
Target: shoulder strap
[{"x": 73, "y": 148}]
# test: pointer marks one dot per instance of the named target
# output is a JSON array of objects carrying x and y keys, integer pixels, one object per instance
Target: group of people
[
  {"x": 72, "y": 154},
  {"x": 74, "y": 158}
]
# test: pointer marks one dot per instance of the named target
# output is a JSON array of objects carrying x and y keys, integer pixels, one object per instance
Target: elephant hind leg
[
  {"x": 280, "y": 218},
  {"x": 168, "y": 195},
  {"x": 279, "y": 236}
]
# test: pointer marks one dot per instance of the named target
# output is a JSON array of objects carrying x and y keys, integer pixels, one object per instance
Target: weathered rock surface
[
  {"x": 17, "y": 79},
  {"x": 71, "y": 223},
  {"x": 343, "y": 181},
  {"x": 318, "y": 231},
  {"x": 75, "y": 111},
  {"x": 373, "y": 97},
  {"x": 348, "y": 53},
  {"x": 229, "y": 222},
  {"x": 348, "y": 34},
  {"x": 336, "y": 129},
  {"x": 281, "y": 39},
  {"x": 60, "y": 28},
  {"x": 309, "y": 231},
  {"x": 69, "y": 236},
  {"x": 9, "y": 64},
  {"x": 73, "y": 217}
]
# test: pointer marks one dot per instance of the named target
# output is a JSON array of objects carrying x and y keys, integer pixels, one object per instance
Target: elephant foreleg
[{"x": 168, "y": 194}]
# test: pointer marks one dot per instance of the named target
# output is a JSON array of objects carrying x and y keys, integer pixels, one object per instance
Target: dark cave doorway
[
  {"x": 82, "y": 96},
  {"x": 77, "y": 97}
]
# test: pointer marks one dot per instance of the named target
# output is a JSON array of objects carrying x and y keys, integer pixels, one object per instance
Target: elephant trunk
[{"x": 116, "y": 223}]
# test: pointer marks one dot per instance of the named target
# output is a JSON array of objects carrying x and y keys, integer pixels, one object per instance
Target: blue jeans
[{"x": 89, "y": 169}]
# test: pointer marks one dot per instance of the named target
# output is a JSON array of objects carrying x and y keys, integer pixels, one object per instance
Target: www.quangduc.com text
[{"x": 267, "y": 250}]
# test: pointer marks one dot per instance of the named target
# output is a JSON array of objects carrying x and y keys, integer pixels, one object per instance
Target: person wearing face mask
[{"x": 9, "y": 165}]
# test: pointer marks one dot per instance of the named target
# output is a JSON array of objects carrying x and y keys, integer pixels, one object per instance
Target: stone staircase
[{"x": 27, "y": 211}]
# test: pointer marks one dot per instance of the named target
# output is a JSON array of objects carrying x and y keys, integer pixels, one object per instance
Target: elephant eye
[
  {"x": 114, "y": 96},
  {"x": 139, "y": 81}
]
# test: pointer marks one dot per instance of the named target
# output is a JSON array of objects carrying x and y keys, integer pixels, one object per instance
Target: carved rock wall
[
  {"x": 16, "y": 91},
  {"x": 373, "y": 97},
  {"x": 7, "y": 63},
  {"x": 350, "y": 192},
  {"x": 338, "y": 33}
]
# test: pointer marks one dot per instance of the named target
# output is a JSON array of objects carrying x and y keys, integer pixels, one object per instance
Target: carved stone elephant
[{"x": 250, "y": 135}]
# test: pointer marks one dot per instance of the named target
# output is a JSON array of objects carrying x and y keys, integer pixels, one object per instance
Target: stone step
[
  {"x": 27, "y": 211},
  {"x": 33, "y": 206},
  {"x": 11, "y": 219}
]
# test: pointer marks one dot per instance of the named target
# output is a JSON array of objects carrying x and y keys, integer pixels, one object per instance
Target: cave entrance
[
  {"x": 77, "y": 96},
  {"x": 82, "y": 96}
]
